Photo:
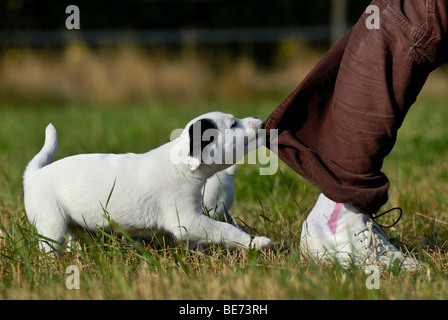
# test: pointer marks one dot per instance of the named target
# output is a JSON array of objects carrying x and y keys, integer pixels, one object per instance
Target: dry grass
[
  {"x": 178, "y": 89},
  {"x": 128, "y": 74},
  {"x": 113, "y": 269}
]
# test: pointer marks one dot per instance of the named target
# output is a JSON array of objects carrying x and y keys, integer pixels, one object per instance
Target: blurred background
[
  {"x": 136, "y": 70},
  {"x": 135, "y": 50}
]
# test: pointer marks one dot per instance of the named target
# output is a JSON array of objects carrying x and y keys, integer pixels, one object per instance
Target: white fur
[
  {"x": 147, "y": 191},
  {"x": 219, "y": 195}
]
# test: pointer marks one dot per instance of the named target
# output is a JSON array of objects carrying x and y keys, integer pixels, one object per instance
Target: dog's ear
[{"x": 197, "y": 145}]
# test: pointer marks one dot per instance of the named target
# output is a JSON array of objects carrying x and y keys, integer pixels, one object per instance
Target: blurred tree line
[
  {"x": 50, "y": 15},
  {"x": 172, "y": 14}
]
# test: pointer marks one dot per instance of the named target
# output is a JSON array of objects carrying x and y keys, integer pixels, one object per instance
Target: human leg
[{"x": 339, "y": 124}]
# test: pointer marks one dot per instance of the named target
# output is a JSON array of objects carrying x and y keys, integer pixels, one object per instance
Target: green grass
[{"x": 273, "y": 206}]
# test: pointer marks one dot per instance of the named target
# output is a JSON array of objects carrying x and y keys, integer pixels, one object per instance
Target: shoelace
[
  {"x": 373, "y": 241},
  {"x": 374, "y": 216}
]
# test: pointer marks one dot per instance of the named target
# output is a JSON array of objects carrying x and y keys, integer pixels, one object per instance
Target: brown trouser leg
[{"x": 337, "y": 126}]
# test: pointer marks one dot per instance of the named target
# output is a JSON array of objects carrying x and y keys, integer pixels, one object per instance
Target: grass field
[{"x": 273, "y": 206}]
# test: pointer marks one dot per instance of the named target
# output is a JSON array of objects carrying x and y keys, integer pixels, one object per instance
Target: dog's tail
[{"x": 46, "y": 154}]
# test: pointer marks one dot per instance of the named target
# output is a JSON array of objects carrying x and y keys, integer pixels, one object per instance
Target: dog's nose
[{"x": 252, "y": 122}]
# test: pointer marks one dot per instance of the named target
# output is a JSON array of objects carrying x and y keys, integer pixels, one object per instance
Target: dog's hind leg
[
  {"x": 73, "y": 239},
  {"x": 53, "y": 228}
]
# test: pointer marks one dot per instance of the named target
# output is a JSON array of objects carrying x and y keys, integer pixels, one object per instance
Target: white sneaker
[{"x": 359, "y": 241}]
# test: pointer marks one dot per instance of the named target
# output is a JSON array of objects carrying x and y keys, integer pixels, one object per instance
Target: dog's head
[{"x": 219, "y": 140}]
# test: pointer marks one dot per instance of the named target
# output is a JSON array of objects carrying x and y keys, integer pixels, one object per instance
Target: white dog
[
  {"x": 157, "y": 190},
  {"x": 219, "y": 195}
]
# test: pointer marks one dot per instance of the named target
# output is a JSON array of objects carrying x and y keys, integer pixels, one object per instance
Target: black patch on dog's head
[{"x": 196, "y": 142}]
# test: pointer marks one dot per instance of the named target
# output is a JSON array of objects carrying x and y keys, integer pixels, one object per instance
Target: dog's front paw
[{"x": 261, "y": 243}]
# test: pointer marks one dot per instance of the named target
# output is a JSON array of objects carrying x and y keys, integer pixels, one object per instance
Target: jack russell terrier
[{"x": 158, "y": 190}]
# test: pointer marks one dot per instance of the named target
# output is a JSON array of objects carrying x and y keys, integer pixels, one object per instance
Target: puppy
[
  {"x": 157, "y": 190},
  {"x": 219, "y": 194}
]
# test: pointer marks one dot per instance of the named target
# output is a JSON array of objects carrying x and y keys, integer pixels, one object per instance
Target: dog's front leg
[{"x": 203, "y": 228}]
